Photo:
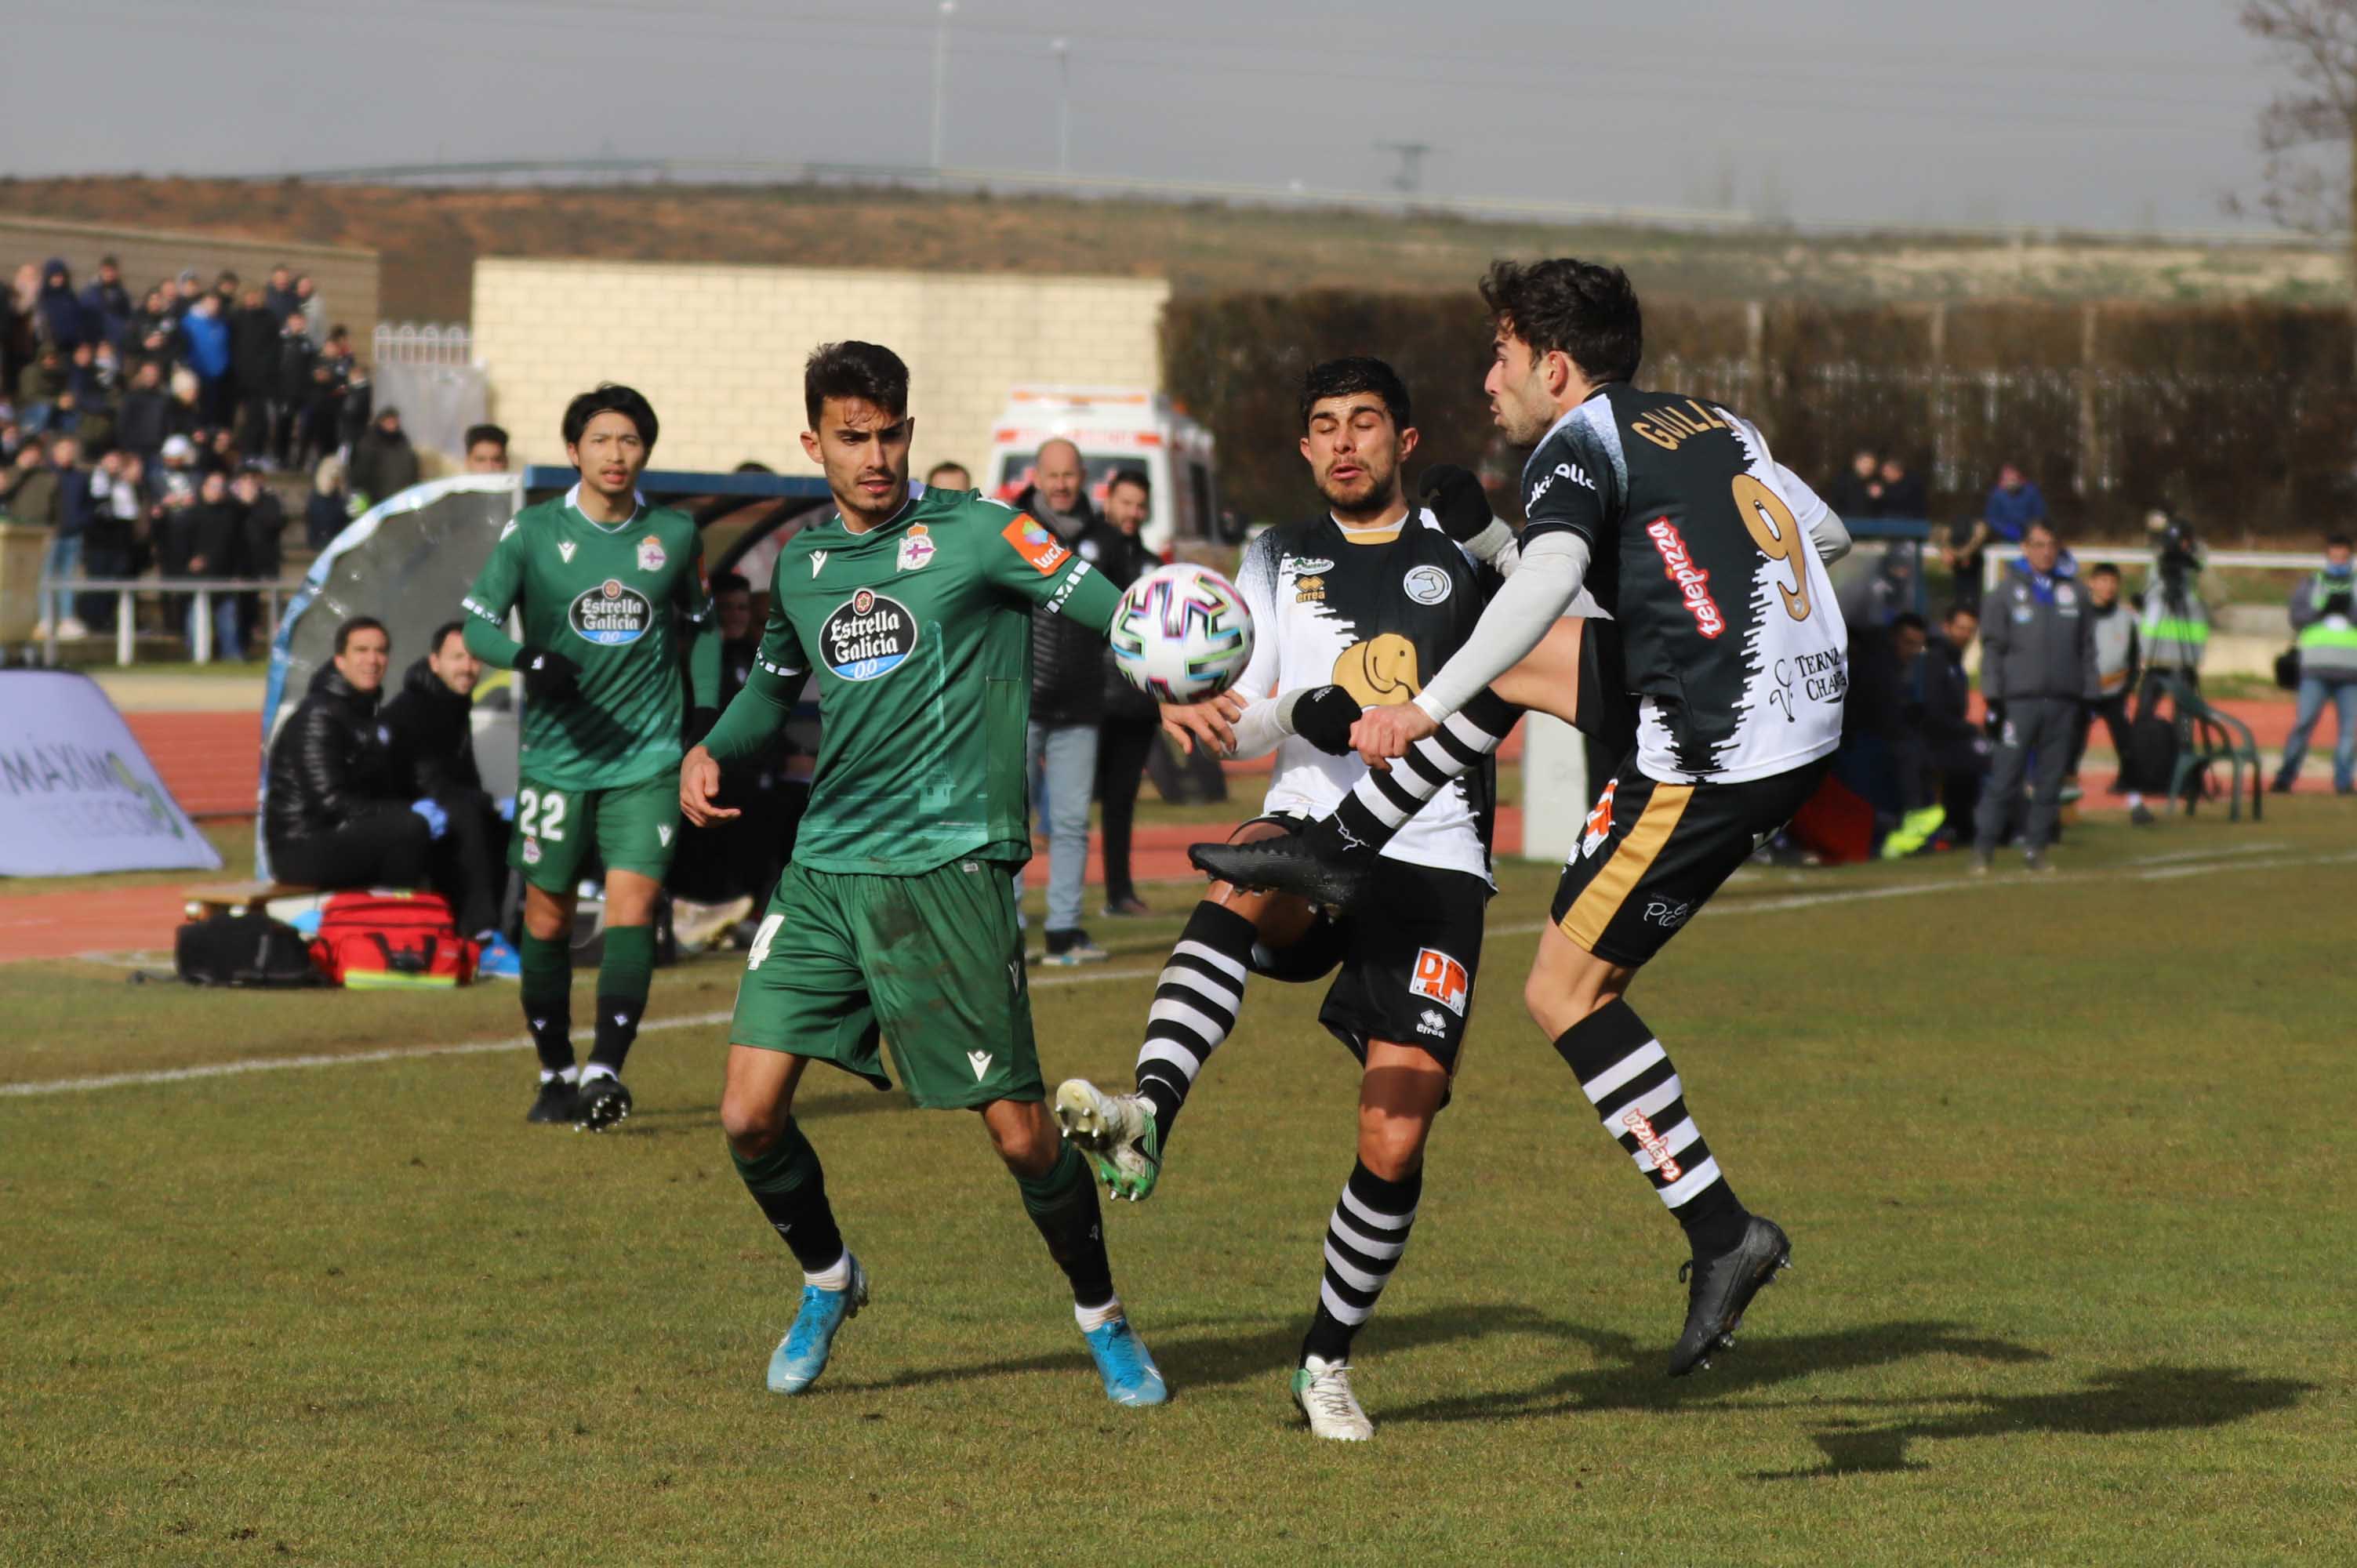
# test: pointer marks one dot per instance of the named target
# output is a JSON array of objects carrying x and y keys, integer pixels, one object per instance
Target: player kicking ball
[
  {"x": 607, "y": 588},
  {"x": 897, "y": 918},
  {"x": 1349, "y": 611},
  {"x": 1708, "y": 554}
]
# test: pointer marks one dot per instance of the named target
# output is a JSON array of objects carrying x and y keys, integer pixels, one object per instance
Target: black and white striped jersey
[
  {"x": 1700, "y": 548},
  {"x": 1376, "y": 619}
]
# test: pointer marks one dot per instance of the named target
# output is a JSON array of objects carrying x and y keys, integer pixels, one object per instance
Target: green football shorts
[
  {"x": 635, "y": 828},
  {"x": 932, "y": 962}
]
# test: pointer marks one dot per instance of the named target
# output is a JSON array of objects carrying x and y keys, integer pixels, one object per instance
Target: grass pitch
[{"x": 2063, "y": 1163}]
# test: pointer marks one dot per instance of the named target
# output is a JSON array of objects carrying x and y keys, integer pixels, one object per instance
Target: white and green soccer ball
[{"x": 1182, "y": 634}]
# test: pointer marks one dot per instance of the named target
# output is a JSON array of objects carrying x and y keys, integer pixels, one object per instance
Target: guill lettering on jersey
[
  {"x": 1667, "y": 426},
  {"x": 1693, "y": 583}
]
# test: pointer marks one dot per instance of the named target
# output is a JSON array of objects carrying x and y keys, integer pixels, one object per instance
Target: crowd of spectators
[{"x": 138, "y": 429}]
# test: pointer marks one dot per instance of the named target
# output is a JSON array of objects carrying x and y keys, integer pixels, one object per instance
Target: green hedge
[{"x": 2243, "y": 416}]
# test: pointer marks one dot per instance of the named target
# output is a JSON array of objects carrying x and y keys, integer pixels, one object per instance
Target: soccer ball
[{"x": 1182, "y": 634}]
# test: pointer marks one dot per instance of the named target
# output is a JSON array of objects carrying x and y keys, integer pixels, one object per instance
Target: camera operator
[
  {"x": 2174, "y": 628},
  {"x": 2321, "y": 624}
]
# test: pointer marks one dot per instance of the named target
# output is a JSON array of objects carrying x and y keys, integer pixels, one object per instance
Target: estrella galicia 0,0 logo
[{"x": 868, "y": 635}]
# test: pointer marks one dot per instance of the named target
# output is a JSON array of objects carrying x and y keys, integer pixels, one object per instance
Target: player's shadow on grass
[
  {"x": 2157, "y": 1398},
  {"x": 672, "y": 1120},
  {"x": 1199, "y": 1354},
  {"x": 1634, "y": 1377}
]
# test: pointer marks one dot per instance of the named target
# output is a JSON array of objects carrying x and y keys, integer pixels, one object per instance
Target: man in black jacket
[
  {"x": 335, "y": 815},
  {"x": 1132, "y": 720},
  {"x": 431, "y": 721},
  {"x": 215, "y": 528},
  {"x": 1067, "y": 702},
  {"x": 253, "y": 334}
]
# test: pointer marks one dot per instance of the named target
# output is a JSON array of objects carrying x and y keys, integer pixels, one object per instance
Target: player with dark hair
[
  {"x": 486, "y": 447},
  {"x": 1351, "y": 610},
  {"x": 895, "y": 920},
  {"x": 609, "y": 588},
  {"x": 1706, "y": 553}
]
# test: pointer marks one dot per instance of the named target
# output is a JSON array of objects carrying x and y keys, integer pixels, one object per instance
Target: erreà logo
[
  {"x": 612, "y": 614},
  {"x": 867, "y": 636}
]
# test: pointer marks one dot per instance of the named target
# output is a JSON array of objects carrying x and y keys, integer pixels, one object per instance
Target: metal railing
[
  {"x": 127, "y": 620},
  {"x": 409, "y": 343}
]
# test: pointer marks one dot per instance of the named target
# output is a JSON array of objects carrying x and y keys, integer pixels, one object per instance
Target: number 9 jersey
[{"x": 1699, "y": 546}]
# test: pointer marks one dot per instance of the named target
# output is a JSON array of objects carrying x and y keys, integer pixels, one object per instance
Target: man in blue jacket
[{"x": 205, "y": 333}]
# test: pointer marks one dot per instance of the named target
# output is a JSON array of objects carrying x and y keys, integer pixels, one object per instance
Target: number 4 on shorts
[{"x": 762, "y": 937}]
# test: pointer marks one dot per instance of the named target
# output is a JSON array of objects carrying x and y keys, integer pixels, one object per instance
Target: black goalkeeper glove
[
  {"x": 1458, "y": 500},
  {"x": 1323, "y": 716},
  {"x": 548, "y": 677}
]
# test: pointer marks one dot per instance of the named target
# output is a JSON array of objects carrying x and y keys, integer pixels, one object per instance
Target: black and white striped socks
[
  {"x": 1634, "y": 1086},
  {"x": 1364, "y": 1239},
  {"x": 1195, "y": 1005},
  {"x": 1379, "y": 804}
]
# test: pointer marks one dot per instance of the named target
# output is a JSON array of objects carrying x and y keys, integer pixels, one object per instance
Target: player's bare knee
[
  {"x": 752, "y": 1122},
  {"x": 1024, "y": 1135},
  {"x": 1558, "y": 1002}
]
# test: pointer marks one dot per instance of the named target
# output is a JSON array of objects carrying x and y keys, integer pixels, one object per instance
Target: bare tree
[{"x": 2309, "y": 132}]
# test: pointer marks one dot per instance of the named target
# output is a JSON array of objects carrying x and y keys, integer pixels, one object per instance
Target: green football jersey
[
  {"x": 613, "y": 600},
  {"x": 919, "y": 632}
]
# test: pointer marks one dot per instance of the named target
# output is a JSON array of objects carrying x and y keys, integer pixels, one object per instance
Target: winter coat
[
  {"x": 1123, "y": 560},
  {"x": 2037, "y": 639},
  {"x": 254, "y": 352},
  {"x": 332, "y": 763},
  {"x": 144, "y": 423},
  {"x": 433, "y": 734},
  {"x": 1067, "y": 658},
  {"x": 264, "y": 527},
  {"x": 58, "y": 311},
  {"x": 383, "y": 465},
  {"x": 207, "y": 342}
]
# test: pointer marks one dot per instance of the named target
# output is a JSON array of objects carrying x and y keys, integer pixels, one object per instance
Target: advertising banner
[{"x": 77, "y": 794}]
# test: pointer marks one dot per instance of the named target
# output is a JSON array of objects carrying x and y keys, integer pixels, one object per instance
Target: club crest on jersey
[
  {"x": 1032, "y": 540},
  {"x": 532, "y": 852},
  {"x": 867, "y": 636},
  {"x": 1692, "y": 582},
  {"x": 1439, "y": 978},
  {"x": 564, "y": 549},
  {"x": 1599, "y": 821},
  {"x": 651, "y": 554},
  {"x": 611, "y": 615},
  {"x": 916, "y": 548},
  {"x": 1427, "y": 584}
]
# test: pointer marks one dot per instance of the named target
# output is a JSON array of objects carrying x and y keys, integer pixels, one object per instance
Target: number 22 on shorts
[{"x": 541, "y": 815}]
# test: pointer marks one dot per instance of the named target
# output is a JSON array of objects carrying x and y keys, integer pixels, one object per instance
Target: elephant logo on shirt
[{"x": 1381, "y": 672}]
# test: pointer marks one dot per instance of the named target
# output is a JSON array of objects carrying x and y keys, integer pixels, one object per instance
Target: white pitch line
[{"x": 1096, "y": 977}]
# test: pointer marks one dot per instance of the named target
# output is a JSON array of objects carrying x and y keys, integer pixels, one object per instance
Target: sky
[{"x": 2130, "y": 114}]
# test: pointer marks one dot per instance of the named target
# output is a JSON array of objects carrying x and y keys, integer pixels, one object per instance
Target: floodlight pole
[
  {"x": 1063, "y": 48},
  {"x": 941, "y": 74}
]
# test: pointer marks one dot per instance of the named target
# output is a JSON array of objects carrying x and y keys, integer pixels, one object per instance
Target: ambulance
[{"x": 1116, "y": 428}]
